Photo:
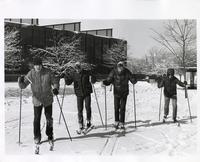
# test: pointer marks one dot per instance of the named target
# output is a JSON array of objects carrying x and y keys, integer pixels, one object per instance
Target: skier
[
  {"x": 119, "y": 77},
  {"x": 169, "y": 83},
  {"x": 82, "y": 86},
  {"x": 41, "y": 80}
]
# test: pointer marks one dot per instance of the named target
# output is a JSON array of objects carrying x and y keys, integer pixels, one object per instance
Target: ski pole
[
  {"x": 97, "y": 104},
  {"x": 63, "y": 118},
  {"x": 160, "y": 102},
  {"x": 62, "y": 102},
  {"x": 188, "y": 104},
  {"x": 20, "y": 114},
  {"x": 134, "y": 104},
  {"x": 105, "y": 109},
  {"x": 20, "y": 105}
]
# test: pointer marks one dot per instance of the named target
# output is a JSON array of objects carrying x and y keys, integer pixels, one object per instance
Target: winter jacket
[
  {"x": 120, "y": 81},
  {"x": 82, "y": 85},
  {"x": 169, "y": 85},
  {"x": 41, "y": 86}
]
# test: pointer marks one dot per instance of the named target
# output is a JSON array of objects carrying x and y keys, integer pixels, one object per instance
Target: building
[{"x": 31, "y": 35}]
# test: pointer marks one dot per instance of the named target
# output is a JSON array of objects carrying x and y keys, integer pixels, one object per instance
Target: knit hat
[
  {"x": 170, "y": 71},
  {"x": 120, "y": 64},
  {"x": 37, "y": 61}
]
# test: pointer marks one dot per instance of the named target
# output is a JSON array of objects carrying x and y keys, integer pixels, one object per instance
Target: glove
[
  {"x": 55, "y": 91},
  {"x": 21, "y": 79},
  {"x": 185, "y": 82},
  {"x": 164, "y": 76}
]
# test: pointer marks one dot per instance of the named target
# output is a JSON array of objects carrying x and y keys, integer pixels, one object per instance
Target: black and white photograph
[
  {"x": 99, "y": 80},
  {"x": 100, "y": 87}
]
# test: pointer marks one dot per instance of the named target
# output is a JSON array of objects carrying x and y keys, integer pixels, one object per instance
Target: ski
[{"x": 87, "y": 130}]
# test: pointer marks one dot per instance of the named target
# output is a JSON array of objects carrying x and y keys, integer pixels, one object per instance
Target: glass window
[{"x": 77, "y": 25}]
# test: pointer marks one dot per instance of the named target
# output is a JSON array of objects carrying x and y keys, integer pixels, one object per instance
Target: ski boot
[
  {"x": 88, "y": 128},
  {"x": 175, "y": 120},
  {"x": 116, "y": 125},
  {"x": 37, "y": 145},
  {"x": 51, "y": 143},
  {"x": 88, "y": 124},
  {"x": 81, "y": 128},
  {"x": 164, "y": 118},
  {"x": 121, "y": 126}
]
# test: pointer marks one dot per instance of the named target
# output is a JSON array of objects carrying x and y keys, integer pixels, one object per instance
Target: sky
[{"x": 137, "y": 32}]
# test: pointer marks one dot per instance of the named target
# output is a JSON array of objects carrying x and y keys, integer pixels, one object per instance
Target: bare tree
[{"x": 180, "y": 39}]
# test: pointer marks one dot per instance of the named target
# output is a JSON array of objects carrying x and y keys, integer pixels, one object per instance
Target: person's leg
[
  {"x": 116, "y": 107},
  {"x": 88, "y": 109},
  {"x": 174, "y": 105},
  {"x": 36, "y": 123},
  {"x": 80, "y": 111},
  {"x": 49, "y": 123},
  {"x": 166, "y": 106},
  {"x": 122, "y": 109}
]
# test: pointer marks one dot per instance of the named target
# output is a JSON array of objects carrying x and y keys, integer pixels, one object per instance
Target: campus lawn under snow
[{"x": 151, "y": 137}]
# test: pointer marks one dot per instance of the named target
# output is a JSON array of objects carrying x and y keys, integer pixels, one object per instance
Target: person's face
[
  {"x": 120, "y": 69},
  {"x": 37, "y": 68},
  {"x": 78, "y": 68}
]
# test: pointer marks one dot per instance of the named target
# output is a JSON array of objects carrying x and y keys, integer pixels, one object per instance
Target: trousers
[
  {"x": 49, "y": 121},
  {"x": 80, "y": 101},
  {"x": 174, "y": 105},
  {"x": 120, "y": 108}
]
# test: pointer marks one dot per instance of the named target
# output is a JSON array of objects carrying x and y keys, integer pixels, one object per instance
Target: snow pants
[
  {"x": 174, "y": 105},
  {"x": 120, "y": 108},
  {"x": 49, "y": 121},
  {"x": 80, "y": 101}
]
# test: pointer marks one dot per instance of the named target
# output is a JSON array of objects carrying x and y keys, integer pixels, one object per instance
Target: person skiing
[
  {"x": 82, "y": 87},
  {"x": 119, "y": 77},
  {"x": 169, "y": 83},
  {"x": 41, "y": 80}
]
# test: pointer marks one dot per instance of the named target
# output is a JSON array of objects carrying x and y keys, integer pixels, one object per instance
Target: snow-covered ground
[{"x": 151, "y": 137}]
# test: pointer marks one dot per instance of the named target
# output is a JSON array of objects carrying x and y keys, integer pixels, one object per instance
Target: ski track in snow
[{"x": 151, "y": 137}]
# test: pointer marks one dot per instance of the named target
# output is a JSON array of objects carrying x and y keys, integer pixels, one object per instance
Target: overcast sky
[{"x": 136, "y": 32}]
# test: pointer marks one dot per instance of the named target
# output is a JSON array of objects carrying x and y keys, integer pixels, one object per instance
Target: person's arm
[
  {"x": 181, "y": 83},
  {"x": 24, "y": 81},
  {"x": 109, "y": 79},
  {"x": 161, "y": 81}
]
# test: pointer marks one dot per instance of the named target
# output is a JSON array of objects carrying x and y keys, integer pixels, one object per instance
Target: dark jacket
[
  {"x": 120, "y": 81},
  {"x": 82, "y": 85},
  {"x": 169, "y": 85},
  {"x": 41, "y": 86}
]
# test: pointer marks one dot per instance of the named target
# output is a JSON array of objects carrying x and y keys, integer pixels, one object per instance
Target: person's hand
[
  {"x": 21, "y": 79},
  {"x": 55, "y": 91},
  {"x": 185, "y": 82},
  {"x": 164, "y": 76}
]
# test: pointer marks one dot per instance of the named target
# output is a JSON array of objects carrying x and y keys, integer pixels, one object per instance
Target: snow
[{"x": 151, "y": 137}]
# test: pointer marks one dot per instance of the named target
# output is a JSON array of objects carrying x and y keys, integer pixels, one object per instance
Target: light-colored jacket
[{"x": 41, "y": 86}]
